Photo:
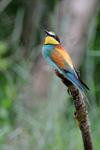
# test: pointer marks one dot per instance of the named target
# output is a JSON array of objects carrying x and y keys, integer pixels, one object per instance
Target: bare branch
[{"x": 81, "y": 113}]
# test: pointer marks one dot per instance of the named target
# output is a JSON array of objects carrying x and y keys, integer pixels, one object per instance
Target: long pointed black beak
[{"x": 47, "y": 32}]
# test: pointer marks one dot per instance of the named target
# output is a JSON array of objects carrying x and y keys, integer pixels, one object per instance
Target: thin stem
[{"x": 81, "y": 113}]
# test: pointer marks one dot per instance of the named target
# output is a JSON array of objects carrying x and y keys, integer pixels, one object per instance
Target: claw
[
  {"x": 54, "y": 70},
  {"x": 68, "y": 91}
]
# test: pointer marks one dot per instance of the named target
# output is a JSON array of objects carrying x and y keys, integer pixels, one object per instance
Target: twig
[{"x": 81, "y": 113}]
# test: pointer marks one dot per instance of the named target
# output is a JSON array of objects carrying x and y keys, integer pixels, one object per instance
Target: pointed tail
[{"x": 80, "y": 85}]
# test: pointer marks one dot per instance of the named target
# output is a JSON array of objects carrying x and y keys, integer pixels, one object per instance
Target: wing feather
[
  {"x": 61, "y": 62},
  {"x": 63, "y": 52},
  {"x": 58, "y": 59},
  {"x": 61, "y": 58}
]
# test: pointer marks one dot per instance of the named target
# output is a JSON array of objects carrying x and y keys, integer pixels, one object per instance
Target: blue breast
[
  {"x": 46, "y": 53},
  {"x": 46, "y": 50}
]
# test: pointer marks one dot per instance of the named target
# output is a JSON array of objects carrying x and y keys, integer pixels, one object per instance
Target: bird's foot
[
  {"x": 54, "y": 70},
  {"x": 68, "y": 91}
]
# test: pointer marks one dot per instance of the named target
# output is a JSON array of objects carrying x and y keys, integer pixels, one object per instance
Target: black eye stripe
[
  {"x": 55, "y": 37},
  {"x": 52, "y": 36}
]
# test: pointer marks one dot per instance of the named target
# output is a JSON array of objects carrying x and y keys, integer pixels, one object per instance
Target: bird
[{"x": 59, "y": 59}]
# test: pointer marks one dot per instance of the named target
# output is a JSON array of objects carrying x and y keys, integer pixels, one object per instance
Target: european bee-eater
[{"x": 59, "y": 59}]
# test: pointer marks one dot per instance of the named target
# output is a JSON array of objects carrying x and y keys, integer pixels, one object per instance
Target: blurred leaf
[
  {"x": 6, "y": 102},
  {"x": 4, "y": 63},
  {"x": 4, "y": 130},
  {"x": 3, "y": 48},
  {"x": 10, "y": 92},
  {"x": 3, "y": 113}
]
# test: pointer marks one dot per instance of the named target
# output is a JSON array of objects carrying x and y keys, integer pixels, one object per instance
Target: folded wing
[{"x": 63, "y": 61}]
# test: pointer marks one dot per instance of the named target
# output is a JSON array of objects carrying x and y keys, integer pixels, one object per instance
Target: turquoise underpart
[{"x": 46, "y": 53}]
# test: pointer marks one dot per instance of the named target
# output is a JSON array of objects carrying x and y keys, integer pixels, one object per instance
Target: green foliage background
[{"x": 49, "y": 123}]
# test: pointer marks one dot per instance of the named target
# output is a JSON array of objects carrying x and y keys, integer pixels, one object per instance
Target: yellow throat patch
[{"x": 51, "y": 40}]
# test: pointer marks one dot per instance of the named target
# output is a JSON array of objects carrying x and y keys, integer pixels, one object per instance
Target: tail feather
[
  {"x": 85, "y": 98},
  {"x": 77, "y": 82},
  {"x": 83, "y": 84},
  {"x": 80, "y": 85}
]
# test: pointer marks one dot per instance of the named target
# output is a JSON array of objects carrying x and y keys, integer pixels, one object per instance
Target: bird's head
[{"x": 51, "y": 38}]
